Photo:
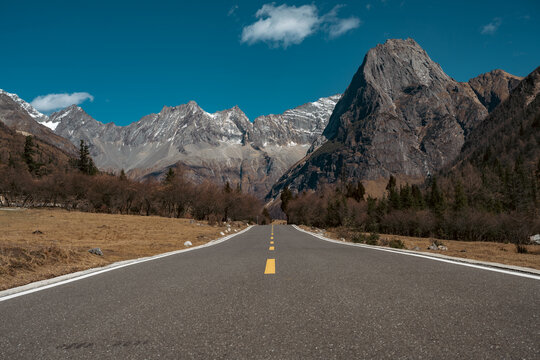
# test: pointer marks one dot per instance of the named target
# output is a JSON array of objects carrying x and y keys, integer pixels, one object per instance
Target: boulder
[
  {"x": 96, "y": 251},
  {"x": 188, "y": 243}
]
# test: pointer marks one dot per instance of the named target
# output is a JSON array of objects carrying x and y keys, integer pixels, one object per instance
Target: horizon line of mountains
[{"x": 401, "y": 115}]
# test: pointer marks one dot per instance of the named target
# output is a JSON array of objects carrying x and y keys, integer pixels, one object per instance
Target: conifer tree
[
  {"x": 460, "y": 199},
  {"x": 393, "y": 195},
  {"x": 28, "y": 154},
  {"x": 169, "y": 176},
  {"x": 85, "y": 162}
]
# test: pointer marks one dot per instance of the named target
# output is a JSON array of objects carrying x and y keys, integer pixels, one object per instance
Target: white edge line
[
  {"x": 395, "y": 251},
  {"x": 34, "y": 287}
]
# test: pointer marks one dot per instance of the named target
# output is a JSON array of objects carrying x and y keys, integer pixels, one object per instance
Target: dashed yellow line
[
  {"x": 271, "y": 248},
  {"x": 271, "y": 243},
  {"x": 270, "y": 266}
]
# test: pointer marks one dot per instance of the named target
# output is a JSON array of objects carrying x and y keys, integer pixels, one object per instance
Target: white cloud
[
  {"x": 288, "y": 25},
  {"x": 232, "y": 10},
  {"x": 342, "y": 26},
  {"x": 492, "y": 27},
  {"x": 51, "y": 102}
]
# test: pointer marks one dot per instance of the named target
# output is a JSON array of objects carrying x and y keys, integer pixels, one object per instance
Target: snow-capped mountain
[
  {"x": 223, "y": 146},
  {"x": 20, "y": 116},
  {"x": 30, "y": 110}
]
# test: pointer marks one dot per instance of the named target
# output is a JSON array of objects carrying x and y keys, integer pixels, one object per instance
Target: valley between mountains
[{"x": 401, "y": 115}]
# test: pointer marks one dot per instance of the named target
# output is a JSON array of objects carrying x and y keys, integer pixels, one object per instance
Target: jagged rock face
[
  {"x": 400, "y": 115},
  {"x": 224, "y": 146},
  {"x": 22, "y": 117},
  {"x": 302, "y": 125},
  {"x": 494, "y": 87}
]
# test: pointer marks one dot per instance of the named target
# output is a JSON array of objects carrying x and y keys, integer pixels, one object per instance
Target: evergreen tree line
[
  {"x": 81, "y": 186},
  {"x": 465, "y": 207}
]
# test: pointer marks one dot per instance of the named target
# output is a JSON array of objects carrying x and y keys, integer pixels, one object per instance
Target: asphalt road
[{"x": 324, "y": 301}]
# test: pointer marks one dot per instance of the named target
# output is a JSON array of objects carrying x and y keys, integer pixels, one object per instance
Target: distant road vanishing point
[{"x": 274, "y": 292}]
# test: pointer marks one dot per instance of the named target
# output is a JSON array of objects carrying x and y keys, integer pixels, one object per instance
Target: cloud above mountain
[
  {"x": 50, "y": 102},
  {"x": 283, "y": 25}
]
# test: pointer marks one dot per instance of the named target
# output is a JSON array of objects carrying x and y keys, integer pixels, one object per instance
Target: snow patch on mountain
[{"x": 26, "y": 106}]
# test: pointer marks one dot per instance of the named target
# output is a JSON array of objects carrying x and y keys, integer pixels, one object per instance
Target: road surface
[{"x": 305, "y": 298}]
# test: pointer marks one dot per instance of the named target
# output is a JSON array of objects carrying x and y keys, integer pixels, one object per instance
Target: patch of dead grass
[
  {"x": 482, "y": 251},
  {"x": 67, "y": 236}
]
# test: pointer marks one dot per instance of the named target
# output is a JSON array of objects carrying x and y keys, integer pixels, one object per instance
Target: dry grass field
[
  {"x": 483, "y": 251},
  {"x": 65, "y": 238}
]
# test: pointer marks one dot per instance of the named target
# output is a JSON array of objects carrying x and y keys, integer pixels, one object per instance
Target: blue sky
[{"x": 124, "y": 60}]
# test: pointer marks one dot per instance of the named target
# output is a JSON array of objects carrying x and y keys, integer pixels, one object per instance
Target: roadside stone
[
  {"x": 442, "y": 248},
  {"x": 188, "y": 243},
  {"x": 96, "y": 251},
  {"x": 37, "y": 232},
  {"x": 416, "y": 248},
  {"x": 222, "y": 233},
  {"x": 535, "y": 239},
  {"x": 433, "y": 247}
]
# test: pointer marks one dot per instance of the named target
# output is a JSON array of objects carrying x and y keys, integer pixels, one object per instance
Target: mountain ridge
[{"x": 400, "y": 115}]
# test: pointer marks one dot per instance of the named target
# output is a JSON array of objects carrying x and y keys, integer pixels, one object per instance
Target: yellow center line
[
  {"x": 270, "y": 266},
  {"x": 271, "y": 243},
  {"x": 271, "y": 237},
  {"x": 271, "y": 248}
]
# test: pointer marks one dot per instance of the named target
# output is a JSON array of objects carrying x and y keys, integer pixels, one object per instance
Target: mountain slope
[
  {"x": 493, "y": 87},
  {"x": 499, "y": 164},
  {"x": 224, "y": 146},
  {"x": 401, "y": 115},
  {"x": 22, "y": 117},
  {"x": 49, "y": 158}
]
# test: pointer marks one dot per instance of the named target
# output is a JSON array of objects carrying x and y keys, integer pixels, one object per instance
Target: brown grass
[
  {"x": 482, "y": 251},
  {"x": 67, "y": 236}
]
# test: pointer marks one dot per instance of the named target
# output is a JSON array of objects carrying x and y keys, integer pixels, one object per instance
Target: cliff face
[{"x": 401, "y": 115}]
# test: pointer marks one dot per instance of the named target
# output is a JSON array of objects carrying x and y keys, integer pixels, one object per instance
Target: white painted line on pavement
[
  {"x": 462, "y": 262},
  {"x": 65, "y": 279}
]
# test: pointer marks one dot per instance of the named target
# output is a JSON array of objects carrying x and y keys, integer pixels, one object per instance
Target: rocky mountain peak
[
  {"x": 493, "y": 87},
  {"x": 401, "y": 115},
  {"x": 396, "y": 64},
  {"x": 26, "y": 106}
]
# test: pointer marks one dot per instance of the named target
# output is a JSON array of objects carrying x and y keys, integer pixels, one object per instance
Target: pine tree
[
  {"x": 169, "y": 176},
  {"x": 85, "y": 162},
  {"x": 418, "y": 198},
  {"x": 123, "y": 176},
  {"x": 405, "y": 197},
  {"x": 436, "y": 199},
  {"x": 28, "y": 154},
  {"x": 460, "y": 199},
  {"x": 393, "y": 195}
]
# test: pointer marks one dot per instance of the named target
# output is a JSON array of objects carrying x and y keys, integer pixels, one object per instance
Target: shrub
[
  {"x": 396, "y": 244},
  {"x": 372, "y": 239},
  {"x": 358, "y": 238},
  {"x": 521, "y": 249}
]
